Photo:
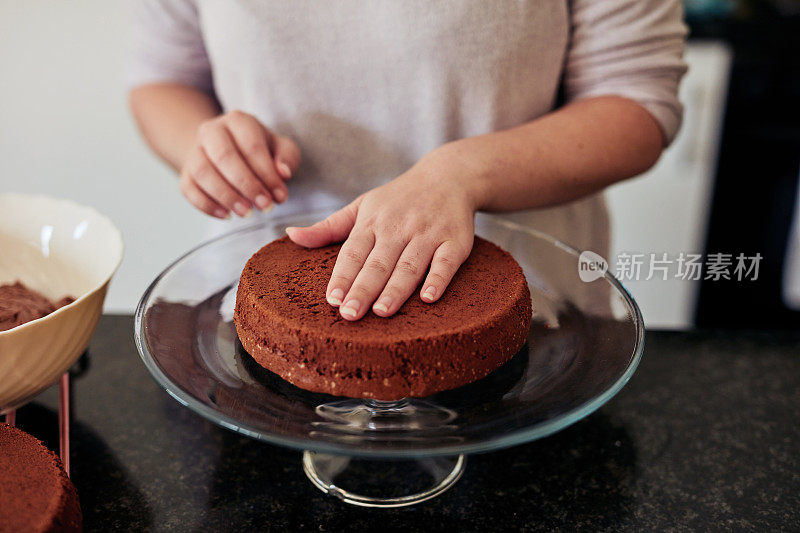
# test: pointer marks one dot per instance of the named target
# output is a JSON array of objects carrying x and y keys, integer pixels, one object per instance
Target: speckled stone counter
[{"x": 706, "y": 436}]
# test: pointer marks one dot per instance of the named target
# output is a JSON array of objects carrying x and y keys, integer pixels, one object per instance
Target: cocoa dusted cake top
[
  {"x": 292, "y": 281},
  {"x": 286, "y": 325}
]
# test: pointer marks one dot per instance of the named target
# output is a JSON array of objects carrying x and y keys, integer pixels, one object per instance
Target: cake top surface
[
  {"x": 288, "y": 282},
  {"x": 33, "y": 483}
]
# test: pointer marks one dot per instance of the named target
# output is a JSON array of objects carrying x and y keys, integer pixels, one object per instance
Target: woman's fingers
[
  {"x": 349, "y": 262},
  {"x": 204, "y": 174},
  {"x": 335, "y": 228},
  {"x": 286, "y": 154},
  {"x": 253, "y": 141},
  {"x": 408, "y": 272},
  {"x": 371, "y": 279},
  {"x": 238, "y": 163},
  {"x": 201, "y": 200},
  {"x": 221, "y": 149},
  {"x": 446, "y": 261}
]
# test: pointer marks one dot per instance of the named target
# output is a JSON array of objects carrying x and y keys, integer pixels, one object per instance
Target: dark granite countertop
[{"x": 704, "y": 437}]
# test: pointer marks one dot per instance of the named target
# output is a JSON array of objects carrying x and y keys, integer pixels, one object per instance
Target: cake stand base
[{"x": 382, "y": 482}]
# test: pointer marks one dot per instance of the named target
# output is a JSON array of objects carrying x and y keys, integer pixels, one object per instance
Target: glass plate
[{"x": 585, "y": 343}]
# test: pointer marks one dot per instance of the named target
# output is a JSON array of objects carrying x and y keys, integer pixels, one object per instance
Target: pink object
[{"x": 63, "y": 420}]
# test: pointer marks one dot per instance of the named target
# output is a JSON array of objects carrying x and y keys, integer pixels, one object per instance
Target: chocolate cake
[
  {"x": 287, "y": 326},
  {"x": 19, "y": 304},
  {"x": 35, "y": 493}
]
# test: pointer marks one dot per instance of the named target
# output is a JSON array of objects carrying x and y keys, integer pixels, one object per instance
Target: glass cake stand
[{"x": 585, "y": 342}]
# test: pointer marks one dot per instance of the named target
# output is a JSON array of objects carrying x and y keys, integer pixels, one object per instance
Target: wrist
[{"x": 457, "y": 165}]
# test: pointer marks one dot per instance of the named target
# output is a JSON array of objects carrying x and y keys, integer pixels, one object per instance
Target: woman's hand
[
  {"x": 235, "y": 164},
  {"x": 394, "y": 233}
]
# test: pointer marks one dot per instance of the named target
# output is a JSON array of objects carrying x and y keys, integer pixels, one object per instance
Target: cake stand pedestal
[{"x": 382, "y": 482}]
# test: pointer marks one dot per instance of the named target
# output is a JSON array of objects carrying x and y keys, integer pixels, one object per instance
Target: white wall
[
  {"x": 666, "y": 210},
  {"x": 65, "y": 131}
]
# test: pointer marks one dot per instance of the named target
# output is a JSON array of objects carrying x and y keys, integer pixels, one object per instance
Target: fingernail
[
  {"x": 335, "y": 297},
  {"x": 350, "y": 308},
  {"x": 429, "y": 294},
  {"x": 262, "y": 202},
  {"x": 284, "y": 169},
  {"x": 382, "y": 306},
  {"x": 241, "y": 209},
  {"x": 221, "y": 213},
  {"x": 279, "y": 194}
]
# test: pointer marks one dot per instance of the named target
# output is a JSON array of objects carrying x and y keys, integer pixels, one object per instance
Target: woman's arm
[
  {"x": 228, "y": 162},
  {"x": 565, "y": 155},
  {"x": 168, "y": 116},
  {"x": 425, "y": 216}
]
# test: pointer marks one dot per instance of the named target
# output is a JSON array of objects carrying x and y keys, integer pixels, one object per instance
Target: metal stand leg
[
  {"x": 11, "y": 417},
  {"x": 63, "y": 420}
]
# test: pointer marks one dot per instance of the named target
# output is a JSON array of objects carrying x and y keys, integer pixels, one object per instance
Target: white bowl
[{"x": 57, "y": 248}]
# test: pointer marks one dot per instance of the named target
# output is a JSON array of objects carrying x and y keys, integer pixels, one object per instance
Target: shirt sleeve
[
  {"x": 629, "y": 48},
  {"x": 167, "y": 45}
]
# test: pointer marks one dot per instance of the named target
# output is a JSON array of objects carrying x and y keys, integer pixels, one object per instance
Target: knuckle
[
  {"x": 249, "y": 189},
  {"x": 255, "y": 148},
  {"x": 199, "y": 203},
  {"x": 338, "y": 280},
  {"x": 414, "y": 223},
  {"x": 206, "y": 128},
  {"x": 448, "y": 260},
  {"x": 396, "y": 292},
  {"x": 368, "y": 220},
  {"x": 224, "y": 155},
  {"x": 353, "y": 255},
  {"x": 272, "y": 181},
  {"x": 378, "y": 264},
  {"x": 201, "y": 174},
  {"x": 220, "y": 193},
  {"x": 241, "y": 180},
  {"x": 435, "y": 278},
  {"x": 227, "y": 199},
  {"x": 464, "y": 248},
  {"x": 391, "y": 226},
  {"x": 194, "y": 198},
  {"x": 293, "y": 152},
  {"x": 360, "y": 292},
  {"x": 453, "y": 254},
  {"x": 406, "y": 266},
  {"x": 391, "y": 292}
]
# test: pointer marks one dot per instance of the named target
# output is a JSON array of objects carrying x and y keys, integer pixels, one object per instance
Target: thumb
[
  {"x": 335, "y": 228},
  {"x": 286, "y": 155}
]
